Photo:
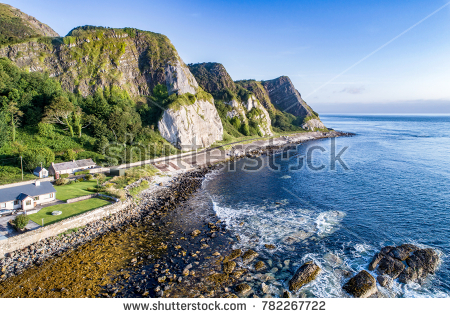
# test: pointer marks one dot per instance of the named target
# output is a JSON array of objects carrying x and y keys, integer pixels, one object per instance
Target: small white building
[
  {"x": 57, "y": 169},
  {"x": 40, "y": 172},
  {"x": 27, "y": 197}
]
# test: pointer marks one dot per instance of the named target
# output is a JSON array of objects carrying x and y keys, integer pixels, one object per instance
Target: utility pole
[
  {"x": 41, "y": 165},
  {"x": 21, "y": 166}
]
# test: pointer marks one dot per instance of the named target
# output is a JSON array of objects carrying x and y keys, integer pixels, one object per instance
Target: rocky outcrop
[
  {"x": 214, "y": 78},
  {"x": 191, "y": 126},
  {"x": 281, "y": 94},
  {"x": 390, "y": 261},
  {"x": 362, "y": 285},
  {"x": 305, "y": 274},
  {"x": 179, "y": 79}
]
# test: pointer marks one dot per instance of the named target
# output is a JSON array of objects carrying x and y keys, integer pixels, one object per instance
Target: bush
[
  {"x": 69, "y": 155},
  {"x": 64, "y": 176},
  {"x": 20, "y": 221},
  {"x": 61, "y": 181},
  {"x": 34, "y": 157},
  {"x": 88, "y": 177},
  {"x": 79, "y": 173}
]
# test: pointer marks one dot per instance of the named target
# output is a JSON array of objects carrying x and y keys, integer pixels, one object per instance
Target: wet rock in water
[
  {"x": 216, "y": 254},
  {"x": 375, "y": 260},
  {"x": 390, "y": 266},
  {"x": 233, "y": 255},
  {"x": 362, "y": 285},
  {"x": 195, "y": 233},
  {"x": 238, "y": 273},
  {"x": 229, "y": 267},
  {"x": 260, "y": 266},
  {"x": 270, "y": 246},
  {"x": 264, "y": 288},
  {"x": 425, "y": 260},
  {"x": 286, "y": 294},
  {"x": 385, "y": 250},
  {"x": 402, "y": 252},
  {"x": 162, "y": 279},
  {"x": 249, "y": 256},
  {"x": 385, "y": 281},
  {"x": 410, "y": 275},
  {"x": 305, "y": 274},
  {"x": 243, "y": 288}
]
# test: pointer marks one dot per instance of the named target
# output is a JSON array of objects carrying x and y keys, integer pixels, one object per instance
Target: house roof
[
  {"x": 77, "y": 164},
  {"x": 38, "y": 169},
  {"x": 21, "y": 192}
]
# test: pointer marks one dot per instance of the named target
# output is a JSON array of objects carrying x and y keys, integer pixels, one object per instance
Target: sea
[{"x": 338, "y": 201}]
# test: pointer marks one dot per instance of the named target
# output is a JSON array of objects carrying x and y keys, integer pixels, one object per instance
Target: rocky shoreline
[{"x": 171, "y": 246}]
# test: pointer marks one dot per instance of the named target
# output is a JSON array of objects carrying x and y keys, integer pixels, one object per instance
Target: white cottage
[
  {"x": 57, "y": 169},
  {"x": 27, "y": 197},
  {"x": 40, "y": 172}
]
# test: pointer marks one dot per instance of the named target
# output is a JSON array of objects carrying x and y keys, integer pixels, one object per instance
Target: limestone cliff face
[
  {"x": 281, "y": 94},
  {"x": 214, "y": 79},
  {"x": 244, "y": 112},
  {"x": 92, "y": 58},
  {"x": 192, "y": 126}
]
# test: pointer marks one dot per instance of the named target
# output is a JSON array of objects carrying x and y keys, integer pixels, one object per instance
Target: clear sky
[{"x": 310, "y": 41}]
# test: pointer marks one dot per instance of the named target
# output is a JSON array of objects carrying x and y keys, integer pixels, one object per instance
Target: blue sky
[{"x": 309, "y": 41}]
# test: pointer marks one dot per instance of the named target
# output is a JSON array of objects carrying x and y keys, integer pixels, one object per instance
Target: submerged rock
[
  {"x": 362, "y": 285},
  {"x": 229, "y": 267},
  {"x": 249, "y": 256},
  {"x": 260, "y": 266},
  {"x": 243, "y": 288},
  {"x": 305, "y": 274},
  {"x": 233, "y": 255}
]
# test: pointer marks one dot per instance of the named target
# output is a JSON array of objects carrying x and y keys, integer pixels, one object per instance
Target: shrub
[
  {"x": 61, "y": 181},
  {"x": 34, "y": 157},
  {"x": 88, "y": 177},
  {"x": 79, "y": 173},
  {"x": 64, "y": 176},
  {"x": 20, "y": 221},
  {"x": 69, "y": 155}
]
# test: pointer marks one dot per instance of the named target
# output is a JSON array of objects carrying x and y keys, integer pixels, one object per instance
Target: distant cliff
[
  {"x": 281, "y": 94},
  {"x": 238, "y": 105}
]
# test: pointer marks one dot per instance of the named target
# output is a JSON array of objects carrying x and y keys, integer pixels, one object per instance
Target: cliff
[
  {"x": 92, "y": 58},
  {"x": 280, "y": 94},
  {"x": 240, "y": 104},
  {"x": 17, "y": 26}
]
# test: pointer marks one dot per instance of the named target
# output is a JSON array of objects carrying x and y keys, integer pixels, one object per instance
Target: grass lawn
[
  {"x": 68, "y": 210},
  {"x": 75, "y": 190}
]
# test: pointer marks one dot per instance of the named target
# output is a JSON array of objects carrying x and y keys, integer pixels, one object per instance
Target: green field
[
  {"x": 75, "y": 190},
  {"x": 68, "y": 210}
]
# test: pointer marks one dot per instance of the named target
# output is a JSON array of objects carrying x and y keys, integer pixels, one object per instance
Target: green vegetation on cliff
[{"x": 43, "y": 123}]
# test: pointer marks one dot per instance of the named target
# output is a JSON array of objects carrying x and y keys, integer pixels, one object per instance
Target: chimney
[{"x": 37, "y": 183}]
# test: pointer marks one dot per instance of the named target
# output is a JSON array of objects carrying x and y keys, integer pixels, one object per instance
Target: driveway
[{"x": 7, "y": 230}]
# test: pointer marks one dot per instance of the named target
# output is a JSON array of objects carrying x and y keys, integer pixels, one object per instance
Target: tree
[
  {"x": 70, "y": 155},
  {"x": 21, "y": 221},
  {"x": 3, "y": 127},
  {"x": 35, "y": 157},
  {"x": 13, "y": 110},
  {"x": 60, "y": 112}
]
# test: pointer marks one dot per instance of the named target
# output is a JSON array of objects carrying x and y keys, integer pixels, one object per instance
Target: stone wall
[
  {"x": 84, "y": 197},
  {"x": 23, "y": 240}
]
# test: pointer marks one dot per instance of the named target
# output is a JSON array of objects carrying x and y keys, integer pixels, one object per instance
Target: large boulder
[
  {"x": 375, "y": 260},
  {"x": 410, "y": 275},
  {"x": 390, "y": 266},
  {"x": 385, "y": 280},
  {"x": 305, "y": 274},
  {"x": 362, "y": 285},
  {"x": 425, "y": 260},
  {"x": 402, "y": 252}
]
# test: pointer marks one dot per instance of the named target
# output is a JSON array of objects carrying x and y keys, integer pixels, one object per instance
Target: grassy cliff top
[{"x": 17, "y": 27}]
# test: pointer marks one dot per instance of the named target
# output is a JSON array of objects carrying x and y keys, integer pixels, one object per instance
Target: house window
[
  {"x": 28, "y": 202},
  {"x": 16, "y": 202},
  {"x": 51, "y": 195},
  {"x": 36, "y": 198},
  {"x": 2, "y": 205}
]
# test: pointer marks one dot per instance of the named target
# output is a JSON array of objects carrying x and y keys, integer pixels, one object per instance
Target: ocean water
[{"x": 390, "y": 187}]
